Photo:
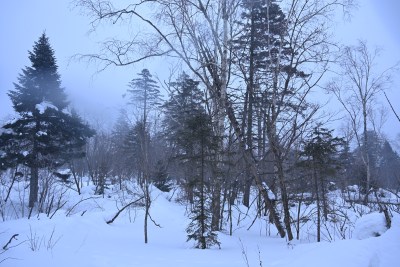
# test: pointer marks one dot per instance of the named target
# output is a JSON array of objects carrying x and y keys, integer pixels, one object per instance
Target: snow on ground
[
  {"x": 370, "y": 225},
  {"x": 84, "y": 239}
]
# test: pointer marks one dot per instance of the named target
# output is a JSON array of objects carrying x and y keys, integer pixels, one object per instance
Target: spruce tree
[
  {"x": 144, "y": 92},
  {"x": 320, "y": 156},
  {"x": 189, "y": 130},
  {"x": 203, "y": 143},
  {"x": 44, "y": 134}
]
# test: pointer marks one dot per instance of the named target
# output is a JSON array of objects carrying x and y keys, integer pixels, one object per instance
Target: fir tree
[{"x": 45, "y": 134}]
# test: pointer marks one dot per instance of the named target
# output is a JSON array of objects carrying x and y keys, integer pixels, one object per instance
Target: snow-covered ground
[{"x": 78, "y": 235}]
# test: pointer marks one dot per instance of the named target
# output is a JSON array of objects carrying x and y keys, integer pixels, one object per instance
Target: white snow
[
  {"x": 41, "y": 133},
  {"x": 25, "y": 153},
  {"x": 43, "y": 106},
  {"x": 370, "y": 225},
  {"x": 13, "y": 120},
  {"x": 271, "y": 194},
  {"x": 78, "y": 236},
  {"x": 64, "y": 171}
]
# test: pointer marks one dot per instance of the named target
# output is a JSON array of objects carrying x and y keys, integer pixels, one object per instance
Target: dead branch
[
  {"x": 5, "y": 247},
  {"x": 121, "y": 210}
]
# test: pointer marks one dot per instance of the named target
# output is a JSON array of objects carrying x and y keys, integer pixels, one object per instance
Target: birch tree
[{"x": 358, "y": 90}]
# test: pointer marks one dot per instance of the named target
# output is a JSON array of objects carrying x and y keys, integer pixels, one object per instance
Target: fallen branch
[
  {"x": 5, "y": 247},
  {"x": 121, "y": 210},
  {"x": 71, "y": 209}
]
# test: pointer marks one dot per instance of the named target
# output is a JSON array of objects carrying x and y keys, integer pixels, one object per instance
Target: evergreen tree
[
  {"x": 188, "y": 129},
  {"x": 160, "y": 177},
  {"x": 121, "y": 147},
  {"x": 185, "y": 100},
  {"x": 45, "y": 134},
  {"x": 320, "y": 157},
  {"x": 144, "y": 92},
  {"x": 202, "y": 143},
  {"x": 389, "y": 167}
]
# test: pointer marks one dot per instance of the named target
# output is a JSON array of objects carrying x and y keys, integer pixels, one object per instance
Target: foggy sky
[{"x": 99, "y": 96}]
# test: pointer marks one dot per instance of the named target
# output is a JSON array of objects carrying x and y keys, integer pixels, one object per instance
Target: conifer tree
[
  {"x": 44, "y": 134},
  {"x": 144, "y": 92},
  {"x": 189, "y": 130},
  {"x": 321, "y": 158},
  {"x": 203, "y": 143}
]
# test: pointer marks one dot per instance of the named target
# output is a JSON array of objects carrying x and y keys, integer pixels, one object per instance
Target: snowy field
[{"x": 78, "y": 235}]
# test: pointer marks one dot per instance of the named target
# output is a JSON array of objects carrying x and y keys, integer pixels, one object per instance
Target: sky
[{"x": 98, "y": 96}]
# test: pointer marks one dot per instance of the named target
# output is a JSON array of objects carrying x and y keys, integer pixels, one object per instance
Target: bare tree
[
  {"x": 358, "y": 90},
  {"x": 98, "y": 160}
]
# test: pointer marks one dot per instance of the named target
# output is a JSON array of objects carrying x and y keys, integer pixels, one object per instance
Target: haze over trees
[{"x": 237, "y": 126}]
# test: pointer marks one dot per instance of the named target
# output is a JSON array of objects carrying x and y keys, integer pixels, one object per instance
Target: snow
[
  {"x": 64, "y": 171},
  {"x": 271, "y": 194},
  {"x": 25, "y": 153},
  {"x": 41, "y": 133},
  {"x": 370, "y": 225},
  {"x": 66, "y": 111},
  {"x": 78, "y": 236},
  {"x": 43, "y": 106},
  {"x": 13, "y": 120}
]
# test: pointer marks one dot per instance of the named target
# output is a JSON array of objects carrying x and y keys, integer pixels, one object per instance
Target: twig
[
  {"x": 244, "y": 253},
  {"x": 397, "y": 116},
  {"x": 121, "y": 210},
  {"x": 156, "y": 224}
]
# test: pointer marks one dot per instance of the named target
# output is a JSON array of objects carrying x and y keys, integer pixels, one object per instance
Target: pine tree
[{"x": 45, "y": 134}]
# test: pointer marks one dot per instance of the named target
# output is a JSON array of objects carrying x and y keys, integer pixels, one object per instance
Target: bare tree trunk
[
  {"x": 147, "y": 210},
  {"x": 366, "y": 153},
  {"x": 222, "y": 95},
  {"x": 285, "y": 199},
  {"x": 33, "y": 186},
  {"x": 314, "y": 174}
]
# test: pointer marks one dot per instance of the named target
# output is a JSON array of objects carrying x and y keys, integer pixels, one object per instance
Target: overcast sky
[{"x": 100, "y": 96}]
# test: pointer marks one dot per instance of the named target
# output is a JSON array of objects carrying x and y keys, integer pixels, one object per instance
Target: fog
[{"x": 98, "y": 95}]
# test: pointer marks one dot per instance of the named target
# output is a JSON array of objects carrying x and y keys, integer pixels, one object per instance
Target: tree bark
[{"x": 33, "y": 186}]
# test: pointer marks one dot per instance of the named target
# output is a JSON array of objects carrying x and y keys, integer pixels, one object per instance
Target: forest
[{"x": 235, "y": 132}]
